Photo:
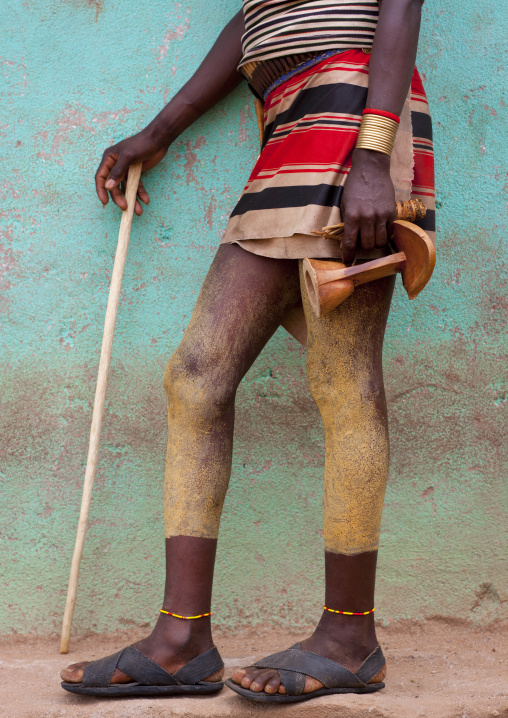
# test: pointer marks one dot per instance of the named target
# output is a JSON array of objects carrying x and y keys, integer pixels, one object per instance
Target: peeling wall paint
[{"x": 77, "y": 76}]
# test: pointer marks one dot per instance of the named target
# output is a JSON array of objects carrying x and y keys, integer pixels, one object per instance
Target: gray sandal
[
  {"x": 149, "y": 679},
  {"x": 295, "y": 664}
]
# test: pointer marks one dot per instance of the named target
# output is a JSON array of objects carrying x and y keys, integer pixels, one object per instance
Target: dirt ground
[{"x": 436, "y": 670}]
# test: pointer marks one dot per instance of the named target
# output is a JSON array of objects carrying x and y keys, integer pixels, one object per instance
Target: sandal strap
[
  {"x": 146, "y": 672},
  {"x": 371, "y": 665},
  {"x": 99, "y": 673},
  {"x": 293, "y": 682},
  {"x": 296, "y": 662},
  {"x": 200, "y": 668}
]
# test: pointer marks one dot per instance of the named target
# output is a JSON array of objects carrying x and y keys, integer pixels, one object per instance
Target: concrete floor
[{"x": 436, "y": 670}]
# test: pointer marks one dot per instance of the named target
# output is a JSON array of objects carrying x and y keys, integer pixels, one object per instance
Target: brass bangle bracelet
[
  {"x": 386, "y": 132},
  {"x": 378, "y": 121},
  {"x": 378, "y": 138},
  {"x": 377, "y": 133},
  {"x": 375, "y": 138},
  {"x": 368, "y": 137},
  {"x": 376, "y": 146}
]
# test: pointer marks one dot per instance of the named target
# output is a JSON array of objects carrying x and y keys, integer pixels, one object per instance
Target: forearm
[
  {"x": 368, "y": 201},
  {"x": 215, "y": 78},
  {"x": 393, "y": 54}
]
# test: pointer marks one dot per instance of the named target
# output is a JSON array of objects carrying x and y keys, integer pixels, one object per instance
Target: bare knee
[
  {"x": 196, "y": 385},
  {"x": 341, "y": 391}
]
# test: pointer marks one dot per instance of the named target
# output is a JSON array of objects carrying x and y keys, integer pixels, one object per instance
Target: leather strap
[
  {"x": 146, "y": 672},
  {"x": 294, "y": 664},
  {"x": 143, "y": 670},
  {"x": 201, "y": 667},
  {"x": 371, "y": 665},
  {"x": 99, "y": 673},
  {"x": 293, "y": 682}
]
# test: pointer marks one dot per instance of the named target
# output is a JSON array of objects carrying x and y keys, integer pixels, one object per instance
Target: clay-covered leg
[
  {"x": 344, "y": 369},
  {"x": 241, "y": 304}
]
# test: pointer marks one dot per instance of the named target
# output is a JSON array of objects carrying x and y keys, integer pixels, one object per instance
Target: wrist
[
  {"x": 172, "y": 120},
  {"x": 158, "y": 133},
  {"x": 371, "y": 158}
]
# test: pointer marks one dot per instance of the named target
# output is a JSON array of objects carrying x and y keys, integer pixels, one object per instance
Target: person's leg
[
  {"x": 241, "y": 304},
  {"x": 345, "y": 376}
]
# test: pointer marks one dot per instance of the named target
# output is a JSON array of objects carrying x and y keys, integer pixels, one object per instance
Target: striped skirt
[{"x": 312, "y": 121}]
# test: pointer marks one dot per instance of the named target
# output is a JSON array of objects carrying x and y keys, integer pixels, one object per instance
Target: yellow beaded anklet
[
  {"x": 349, "y": 613},
  {"x": 186, "y": 618}
]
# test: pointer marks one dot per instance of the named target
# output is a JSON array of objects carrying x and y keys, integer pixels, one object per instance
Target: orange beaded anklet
[
  {"x": 349, "y": 613},
  {"x": 186, "y": 618}
]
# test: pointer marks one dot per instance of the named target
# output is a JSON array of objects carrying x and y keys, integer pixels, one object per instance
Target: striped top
[{"x": 274, "y": 28}]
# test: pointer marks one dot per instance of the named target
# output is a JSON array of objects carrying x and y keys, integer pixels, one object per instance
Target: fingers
[
  {"x": 371, "y": 232},
  {"x": 385, "y": 228},
  {"x": 367, "y": 233},
  {"x": 110, "y": 176},
  {"x": 111, "y": 166},
  {"x": 375, "y": 232},
  {"x": 119, "y": 170},
  {"x": 114, "y": 181},
  {"x": 107, "y": 184},
  {"x": 350, "y": 238},
  {"x": 381, "y": 234},
  {"x": 106, "y": 165},
  {"x": 118, "y": 198},
  {"x": 390, "y": 228},
  {"x": 142, "y": 194}
]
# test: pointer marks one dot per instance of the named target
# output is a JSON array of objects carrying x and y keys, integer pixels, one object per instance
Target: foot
[
  {"x": 335, "y": 638},
  {"x": 172, "y": 644}
]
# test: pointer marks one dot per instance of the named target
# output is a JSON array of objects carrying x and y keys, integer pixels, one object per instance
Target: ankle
[
  {"x": 354, "y": 631},
  {"x": 183, "y": 633}
]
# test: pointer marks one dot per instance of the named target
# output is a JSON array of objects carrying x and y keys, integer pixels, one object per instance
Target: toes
[
  {"x": 256, "y": 679},
  {"x": 246, "y": 676},
  {"x": 380, "y": 675},
  {"x": 311, "y": 684},
  {"x": 246, "y": 681},
  {"x": 261, "y": 679},
  {"x": 273, "y": 684},
  {"x": 238, "y": 675},
  {"x": 266, "y": 680},
  {"x": 73, "y": 673},
  {"x": 215, "y": 677}
]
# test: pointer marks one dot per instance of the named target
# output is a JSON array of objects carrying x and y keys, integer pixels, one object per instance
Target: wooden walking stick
[{"x": 100, "y": 396}]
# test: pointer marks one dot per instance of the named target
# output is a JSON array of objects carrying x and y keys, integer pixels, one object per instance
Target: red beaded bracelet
[{"x": 381, "y": 113}]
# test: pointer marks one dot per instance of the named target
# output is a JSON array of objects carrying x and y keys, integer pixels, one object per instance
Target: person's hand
[
  {"x": 368, "y": 204},
  {"x": 115, "y": 162}
]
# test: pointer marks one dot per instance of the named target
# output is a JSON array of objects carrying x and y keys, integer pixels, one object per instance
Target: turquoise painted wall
[{"x": 78, "y": 75}]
